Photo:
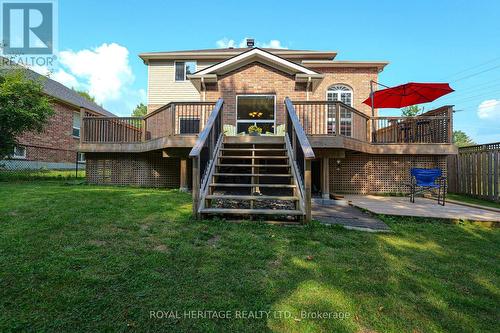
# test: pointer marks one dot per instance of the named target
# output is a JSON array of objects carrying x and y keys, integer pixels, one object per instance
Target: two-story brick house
[{"x": 316, "y": 134}]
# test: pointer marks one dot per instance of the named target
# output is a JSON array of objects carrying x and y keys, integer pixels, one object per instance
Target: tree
[
  {"x": 411, "y": 111},
  {"x": 23, "y": 107},
  {"x": 86, "y": 95},
  {"x": 140, "y": 110},
  {"x": 461, "y": 139}
]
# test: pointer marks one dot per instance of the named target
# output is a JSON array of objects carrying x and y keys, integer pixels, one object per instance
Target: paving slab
[
  {"x": 423, "y": 207},
  {"x": 330, "y": 213}
]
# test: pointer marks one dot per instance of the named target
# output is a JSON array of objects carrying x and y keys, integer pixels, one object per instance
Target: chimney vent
[{"x": 250, "y": 42}]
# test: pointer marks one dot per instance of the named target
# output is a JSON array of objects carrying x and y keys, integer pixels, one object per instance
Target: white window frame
[
  {"x": 185, "y": 75},
  {"x": 74, "y": 128},
  {"x": 80, "y": 159},
  {"x": 253, "y": 120},
  {"x": 338, "y": 93},
  {"x": 19, "y": 157}
]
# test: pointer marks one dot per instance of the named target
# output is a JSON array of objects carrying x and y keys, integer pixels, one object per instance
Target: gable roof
[
  {"x": 58, "y": 90},
  {"x": 252, "y": 55}
]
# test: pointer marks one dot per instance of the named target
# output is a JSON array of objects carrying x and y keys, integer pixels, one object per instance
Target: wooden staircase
[
  {"x": 252, "y": 177},
  {"x": 253, "y": 180}
]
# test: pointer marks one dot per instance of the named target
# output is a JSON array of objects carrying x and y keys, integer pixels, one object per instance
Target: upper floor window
[
  {"x": 183, "y": 69},
  {"x": 76, "y": 124},
  {"x": 340, "y": 93}
]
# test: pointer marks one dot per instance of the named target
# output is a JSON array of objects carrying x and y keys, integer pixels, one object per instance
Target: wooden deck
[{"x": 327, "y": 125}]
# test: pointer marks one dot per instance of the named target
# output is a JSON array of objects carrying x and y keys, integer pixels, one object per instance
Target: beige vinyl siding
[{"x": 162, "y": 87}]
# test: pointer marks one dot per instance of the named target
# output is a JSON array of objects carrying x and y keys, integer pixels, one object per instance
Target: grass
[
  {"x": 88, "y": 258},
  {"x": 475, "y": 201},
  {"x": 40, "y": 175}
]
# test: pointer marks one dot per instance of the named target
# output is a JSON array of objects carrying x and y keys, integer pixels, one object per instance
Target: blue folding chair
[{"x": 428, "y": 180}]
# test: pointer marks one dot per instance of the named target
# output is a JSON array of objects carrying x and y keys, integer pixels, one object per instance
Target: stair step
[
  {"x": 252, "y": 185},
  {"x": 250, "y": 211},
  {"x": 256, "y": 157},
  {"x": 255, "y": 149},
  {"x": 251, "y": 197},
  {"x": 254, "y": 165},
  {"x": 254, "y": 174}
]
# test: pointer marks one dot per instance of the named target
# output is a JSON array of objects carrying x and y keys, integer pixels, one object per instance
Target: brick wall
[
  {"x": 356, "y": 78},
  {"x": 365, "y": 173},
  {"x": 257, "y": 78},
  {"x": 56, "y": 143}
]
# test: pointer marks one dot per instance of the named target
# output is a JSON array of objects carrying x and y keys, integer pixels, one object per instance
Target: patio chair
[{"x": 428, "y": 180}]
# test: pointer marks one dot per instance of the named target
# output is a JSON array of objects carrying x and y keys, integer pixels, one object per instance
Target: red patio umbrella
[{"x": 408, "y": 94}]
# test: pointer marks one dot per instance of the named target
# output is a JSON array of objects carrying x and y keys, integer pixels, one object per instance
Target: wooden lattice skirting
[
  {"x": 149, "y": 169},
  {"x": 365, "y": 173}
]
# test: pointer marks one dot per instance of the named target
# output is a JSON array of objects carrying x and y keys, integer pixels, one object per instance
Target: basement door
[{"x": 259, "y": 110}]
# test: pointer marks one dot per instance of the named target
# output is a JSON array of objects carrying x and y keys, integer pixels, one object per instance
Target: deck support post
[
  {"x": 183, "y": 175},
  {"x": 307, "y": 189},
  {"x": 325, "y": 179},
  {"x": 196, "y": 186}
]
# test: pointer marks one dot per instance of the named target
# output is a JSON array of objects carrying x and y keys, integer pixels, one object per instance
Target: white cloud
[
  {"x": 489, "y": 109},
  {"x": 226, "y": 42},
  {"x": 65, "y": 78},
  {"x": 275, "y": 44},
  {"x": 105, "y": 70}
]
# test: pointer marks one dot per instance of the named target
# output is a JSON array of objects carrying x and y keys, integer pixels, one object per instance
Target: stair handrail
[
  {"x": 204, "y": 152},
  {"x": 302, "y": 153}
]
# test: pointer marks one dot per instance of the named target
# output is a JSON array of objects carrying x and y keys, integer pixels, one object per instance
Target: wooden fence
[{"x": 475, "y": 171}]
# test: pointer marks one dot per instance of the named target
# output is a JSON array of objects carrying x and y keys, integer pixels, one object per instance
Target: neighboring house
[
  {"x": 309, "y": 108},
  {"x": 57, "y": 146}
]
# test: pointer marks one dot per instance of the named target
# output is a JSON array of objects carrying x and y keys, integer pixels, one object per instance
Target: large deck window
[
  {"x": 344, "y": 94},
  {"x": 255, "y": 110}
]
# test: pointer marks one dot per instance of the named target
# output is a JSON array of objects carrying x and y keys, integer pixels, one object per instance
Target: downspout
[
  {"x": 203, "y": 88},
  {"x": 309, "y": 80}
]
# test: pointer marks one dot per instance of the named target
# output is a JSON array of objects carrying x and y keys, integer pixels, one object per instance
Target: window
[
  {"x": 255, "y": 110},
  {"x": 189, "y": 125},
  {"x": 76, "y": 124},
  {"x": 19, "y": 152},
  {"x": 344, "y": 94},
  {"x": 81, "y": 157},
  {"x": 183, "y": 69}
]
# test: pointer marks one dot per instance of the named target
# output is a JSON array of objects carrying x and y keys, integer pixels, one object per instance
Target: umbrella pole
[{"x": 373, "y": 112}]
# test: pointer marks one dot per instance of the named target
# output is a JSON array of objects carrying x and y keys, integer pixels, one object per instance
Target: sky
[{"x": 451, "y": 41}]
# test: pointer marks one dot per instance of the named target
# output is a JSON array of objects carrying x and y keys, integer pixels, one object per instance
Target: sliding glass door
[{"x": 256, "y": 110}]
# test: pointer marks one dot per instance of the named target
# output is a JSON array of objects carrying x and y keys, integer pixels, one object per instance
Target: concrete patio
[
  {"x": 329, "y": 213},
  {"x": 401, "y": 206}
]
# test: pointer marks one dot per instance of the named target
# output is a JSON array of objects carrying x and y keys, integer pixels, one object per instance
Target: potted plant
[{"x": 254, "y": 130}]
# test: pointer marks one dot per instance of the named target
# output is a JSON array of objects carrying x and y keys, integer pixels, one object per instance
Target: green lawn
[
  {"x": 475, "y": 201},
  {"x": 84, "y": 258}
]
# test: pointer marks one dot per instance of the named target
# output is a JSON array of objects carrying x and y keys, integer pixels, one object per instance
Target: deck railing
[
  {"x": 431, "y": 127},
  {"x": 332, "y": 118},
  {"x": 301, "y": 155},
  {"x": 204, "y": 151},
  {"x": 320, "y": 118},
  {"x": 112, "y": 129},
  {"x": 179, "y": 118}
]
